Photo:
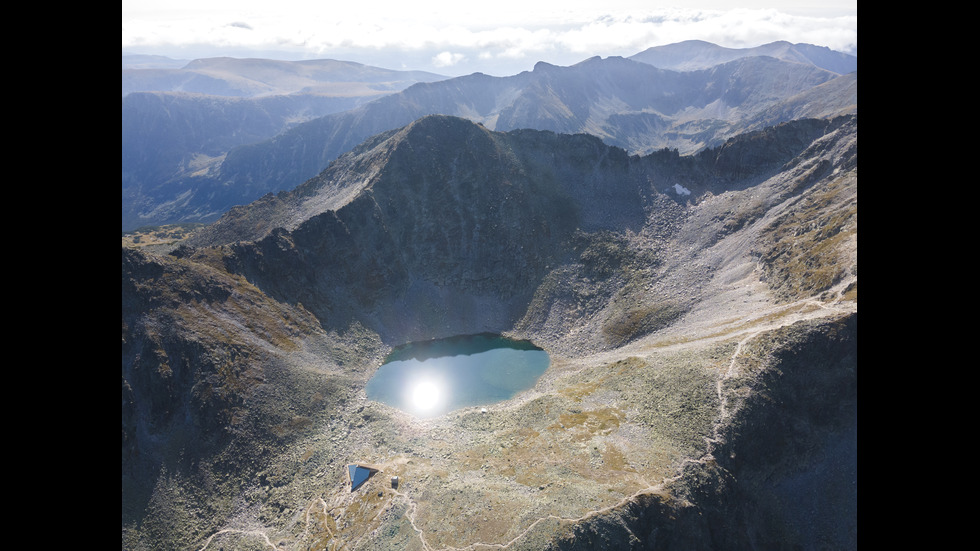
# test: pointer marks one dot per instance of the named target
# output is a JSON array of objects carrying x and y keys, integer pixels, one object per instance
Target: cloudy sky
[{"x": 497, "y": 37}]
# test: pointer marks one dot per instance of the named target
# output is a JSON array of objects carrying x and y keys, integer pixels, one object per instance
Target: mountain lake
[{"x": 430, "y": 378}]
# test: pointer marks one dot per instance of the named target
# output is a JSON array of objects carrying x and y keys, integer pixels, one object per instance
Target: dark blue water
[{"x": 431, "y": 378}]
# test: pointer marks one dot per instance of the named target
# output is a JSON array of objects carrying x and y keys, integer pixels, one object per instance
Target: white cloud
[
  {"x": 438, "y": 34},
  {"x": 447, "y": 59}
]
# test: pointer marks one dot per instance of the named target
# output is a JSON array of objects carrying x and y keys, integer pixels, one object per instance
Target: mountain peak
[
  {"x": 693, "y": 55},
  {"x": 543, "y": 66},
  {"x": 429, "y": 130}
]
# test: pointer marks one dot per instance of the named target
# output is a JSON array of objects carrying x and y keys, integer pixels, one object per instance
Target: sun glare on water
[
  {"x": 431, "y": 378},
  {"x": 426, "y": 395}
]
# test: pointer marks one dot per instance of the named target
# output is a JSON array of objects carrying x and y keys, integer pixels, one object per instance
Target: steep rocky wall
[
  {"x": 215, "y": 375},
  {"x": 453, "y": 234},
  {"x": 457, "y": 227}
]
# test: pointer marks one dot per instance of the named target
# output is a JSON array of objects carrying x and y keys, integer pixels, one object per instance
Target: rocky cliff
[
  {"x": 458, "y": 219},
  {"x": 700, "y": 312}
]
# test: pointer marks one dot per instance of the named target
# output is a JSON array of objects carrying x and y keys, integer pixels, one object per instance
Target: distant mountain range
[
  {"x": 249, "y": 78},
  {"x": 191, "y": 158},
  {"x": 692, "y": 55}
]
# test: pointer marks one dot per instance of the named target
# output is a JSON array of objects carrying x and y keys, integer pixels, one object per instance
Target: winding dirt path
[{"x": 805, "y": 309}]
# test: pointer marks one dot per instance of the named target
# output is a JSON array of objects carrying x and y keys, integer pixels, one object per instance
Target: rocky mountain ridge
[
  {"x": 626, "y": 103},
  {"x": 700, "y": 312},
  {"x": 521, "y": 198}
]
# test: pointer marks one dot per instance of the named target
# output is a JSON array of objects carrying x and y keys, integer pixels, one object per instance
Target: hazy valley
[{"x": 693, "y": 278}]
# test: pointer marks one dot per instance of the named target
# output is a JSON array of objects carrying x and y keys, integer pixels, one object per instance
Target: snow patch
[{"x": 681, "y": 190}]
